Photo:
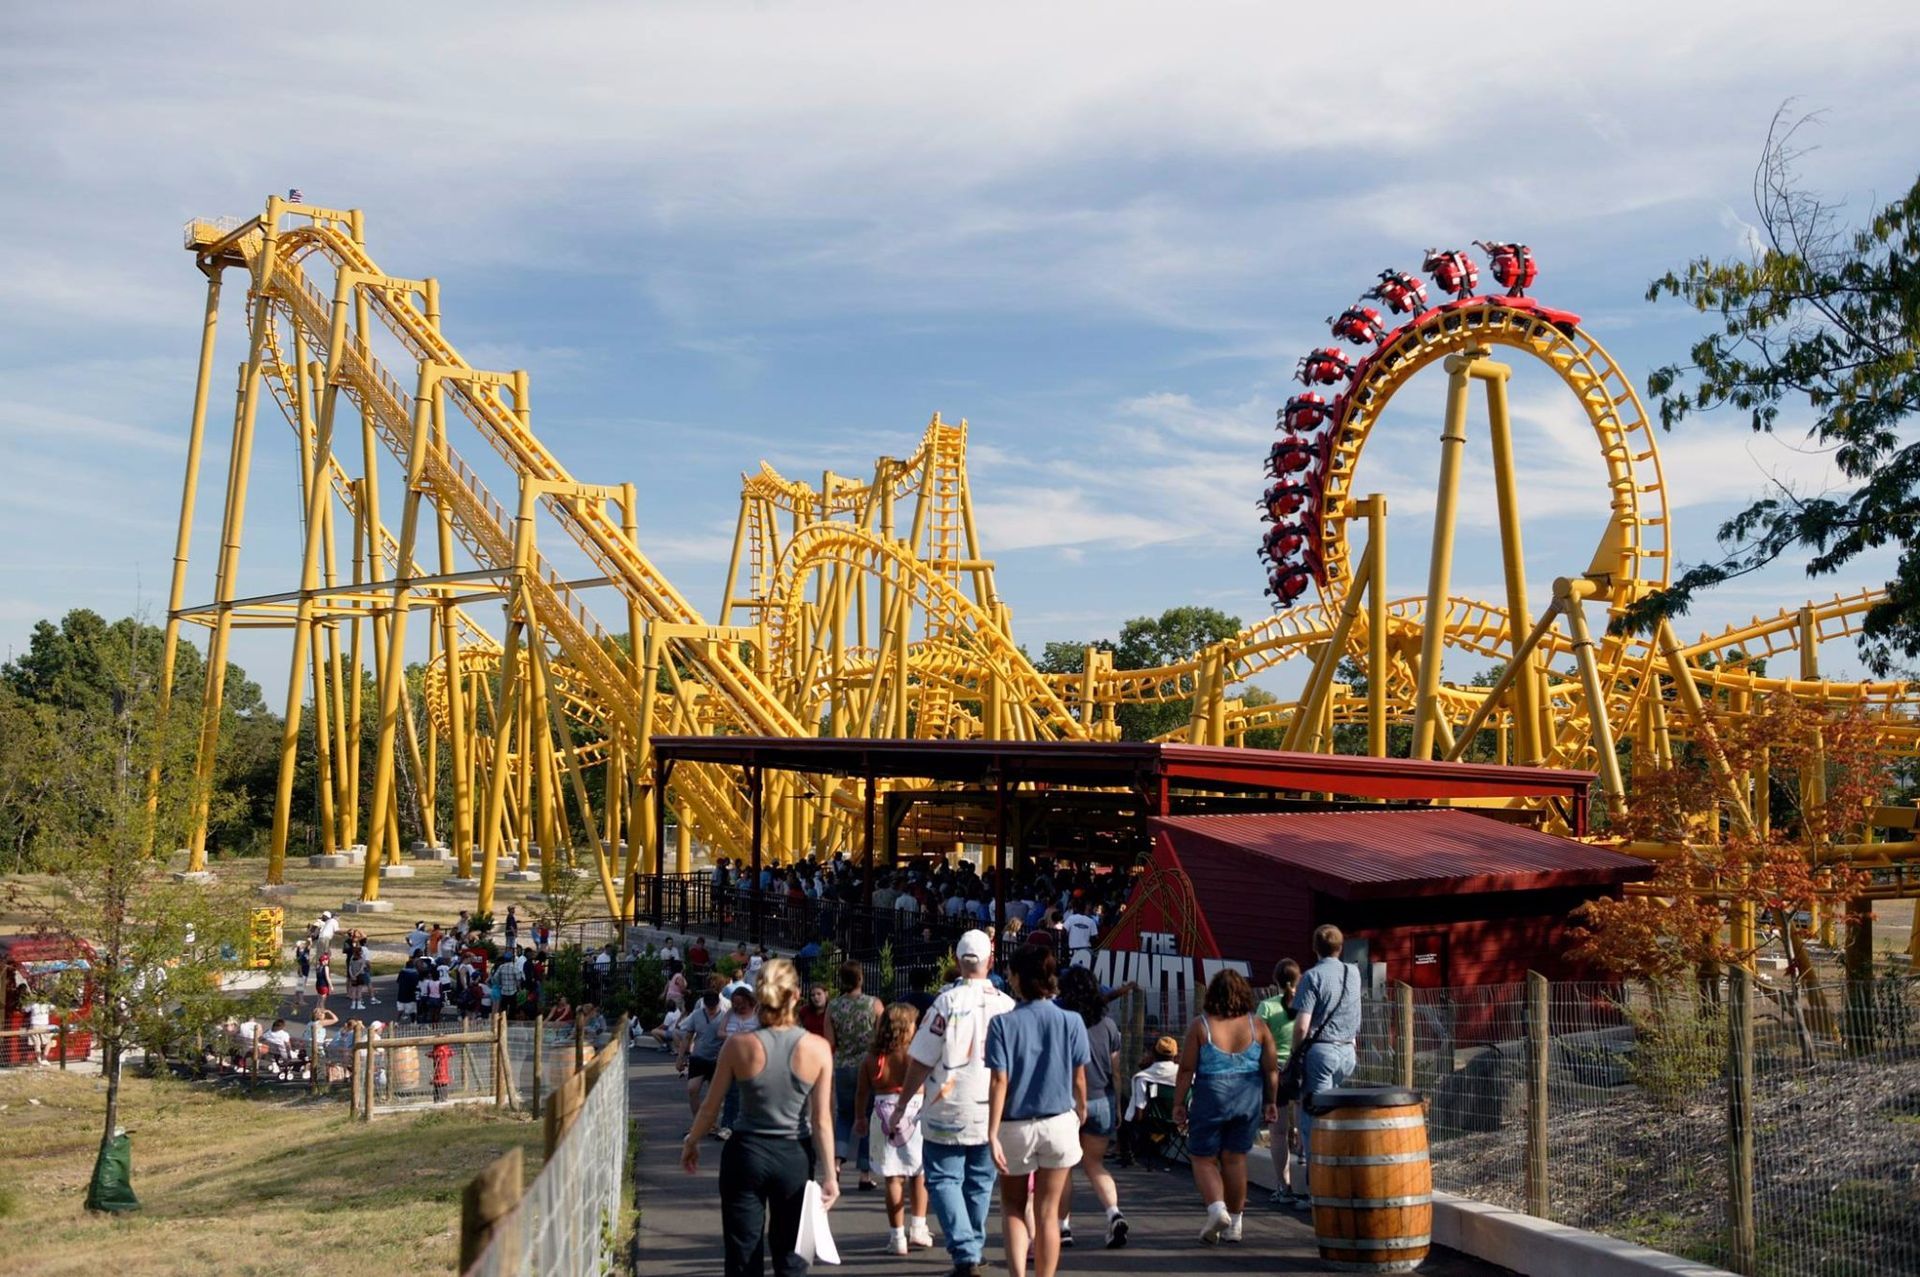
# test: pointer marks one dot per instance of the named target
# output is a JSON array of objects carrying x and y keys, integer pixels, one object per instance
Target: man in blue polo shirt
[{"x": 1326, "y": 1009}]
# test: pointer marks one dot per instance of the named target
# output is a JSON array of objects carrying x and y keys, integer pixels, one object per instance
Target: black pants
[{"x": 763, "y": 1176}]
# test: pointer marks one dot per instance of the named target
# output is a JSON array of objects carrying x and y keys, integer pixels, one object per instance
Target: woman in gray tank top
[{"x": 783, "y": 1136}]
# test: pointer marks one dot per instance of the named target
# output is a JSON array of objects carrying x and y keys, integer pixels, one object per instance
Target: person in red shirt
[
  {"x": 697, "y": 955},
  {"x": 442, "y": 1072}
]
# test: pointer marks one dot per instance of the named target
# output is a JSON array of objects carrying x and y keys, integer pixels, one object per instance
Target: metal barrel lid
[{"x": 1361, "y": 1097}]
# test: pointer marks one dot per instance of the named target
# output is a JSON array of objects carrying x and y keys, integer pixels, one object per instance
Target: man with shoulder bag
[{"x": 1326, "y": 1024}]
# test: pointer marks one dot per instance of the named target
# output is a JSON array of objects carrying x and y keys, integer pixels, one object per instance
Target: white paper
[{"x": 815, "y": 1242}]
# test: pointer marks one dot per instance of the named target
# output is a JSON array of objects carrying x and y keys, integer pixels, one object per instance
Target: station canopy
[{"x": 1144, "y": 766}]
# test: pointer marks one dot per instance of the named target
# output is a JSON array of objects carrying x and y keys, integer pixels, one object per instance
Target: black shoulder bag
[{"x": 1294, "y": 1075}]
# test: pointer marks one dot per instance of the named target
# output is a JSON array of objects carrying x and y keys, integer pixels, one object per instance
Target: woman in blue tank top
[{"x": 1229, "y": 1061}]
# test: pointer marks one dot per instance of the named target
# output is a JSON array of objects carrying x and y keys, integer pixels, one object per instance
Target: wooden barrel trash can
[{"x": 1371, "y": 1181}]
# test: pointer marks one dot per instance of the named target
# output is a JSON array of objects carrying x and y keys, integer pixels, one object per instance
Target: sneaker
[
  {"x": 866, "y": 1184},
  {"x": 1218, "y": 1221},
  {"x": 723, "y": 1134},
  {"x": 1066, "y": 1235},
  {"x": 1116, "y": 1232},
  {"x": 1233, "y": 1229},
  {"x": 1302, "y": 1202},
  {"x": 1280, "y": 1198},
  {"x": 919, "y": 1237},
  {"x": 897, "y": 1241}
]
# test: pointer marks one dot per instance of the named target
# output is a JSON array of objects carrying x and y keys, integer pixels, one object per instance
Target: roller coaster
[{"x": 865, "y": 607}]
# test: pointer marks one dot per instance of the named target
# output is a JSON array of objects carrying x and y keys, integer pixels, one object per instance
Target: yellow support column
[
  {"x": 1453, "y": 442},
  {"x": 1568, "y": 595},
  {"x": 393, "y": 672},
  {"x": 316, "y": 457},
  {"x": 1526, "y": 708},
  {"x": 1376, "y": 568},
  {"x": 240, "y": 467},
  {"x": 183, "y": 539}
]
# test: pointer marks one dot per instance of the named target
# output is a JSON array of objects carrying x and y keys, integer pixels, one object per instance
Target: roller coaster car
[
  {"x": 1284, "y": 500},
  {"x": 1288, "y": 457},
  {"x": 1404, "y": 294},
  {"x": 1325, "y": 366},
  {"x": 1289, "y": 585},
  {"x": 1283, "y": 541},
  {"x": 1304, "y": 413},
  {"x": 1360, "y": 325},
  {"x": 1512, "y": 265},
  {"x": 1453, "y": 271}
]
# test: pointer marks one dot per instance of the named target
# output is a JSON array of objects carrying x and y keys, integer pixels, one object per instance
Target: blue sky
[{"x": 720, "y": 232}]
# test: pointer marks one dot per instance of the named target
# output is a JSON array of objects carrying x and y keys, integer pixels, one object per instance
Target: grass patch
[{"x": 237, "y": 1184}]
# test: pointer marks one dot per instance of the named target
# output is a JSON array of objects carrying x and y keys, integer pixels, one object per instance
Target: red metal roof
[{"x": 1393, "y": 852}]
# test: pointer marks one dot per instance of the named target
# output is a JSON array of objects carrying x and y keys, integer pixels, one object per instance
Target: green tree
[
  {"x": 82, "y": 666},
  {"x": 159, "y": 947},
  {"x": 1827, "y": 317}
]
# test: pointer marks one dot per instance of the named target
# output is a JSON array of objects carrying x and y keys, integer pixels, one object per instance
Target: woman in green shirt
[
  {"x": 1279, "y": 1019},
  {"x": 850, "y": 1022}
]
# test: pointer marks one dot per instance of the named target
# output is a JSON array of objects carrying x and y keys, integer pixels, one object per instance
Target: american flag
[{"x": 293, "y": 195}]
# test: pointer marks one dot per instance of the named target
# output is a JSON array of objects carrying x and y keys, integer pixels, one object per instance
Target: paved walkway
[{"x": 679, "y": 1225}]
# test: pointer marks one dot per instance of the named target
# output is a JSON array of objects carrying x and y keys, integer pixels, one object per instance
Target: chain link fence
[
  {"x": 496, "y": 1064},
  {"x": 567, "y": 1222},
  {"x": 1644, "y": 1114}
]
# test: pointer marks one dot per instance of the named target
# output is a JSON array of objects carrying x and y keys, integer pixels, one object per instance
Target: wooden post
[
  {"x": 63, "y": 1045},
  {"x": 1740, "y": 1119},
  {"x": 1403, "y": 1040},
  {"x": 539, "y": 1039},
  {"x": 363, "y": 1076},
  {"x": 499, "y": 1060},
  {"x": 563, "y": 1108},
  {"x": 487, "y": 1206},
  {"x": 580, "y": 1043},
  {"x": 1538, "y": 1058}
]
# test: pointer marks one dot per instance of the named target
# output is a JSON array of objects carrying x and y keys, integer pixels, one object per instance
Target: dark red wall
[
  {"x": 1253, "y": 913},
  {"x": 1490, "y": 937}
]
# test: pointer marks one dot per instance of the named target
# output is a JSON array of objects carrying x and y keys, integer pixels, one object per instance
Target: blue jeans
[
  {"x": 1327, "y": 1065},
  {"x": 730, "y": 1109},
  {"x": 846, "y": 1078},
  {"x": 960, "y": 1181}
]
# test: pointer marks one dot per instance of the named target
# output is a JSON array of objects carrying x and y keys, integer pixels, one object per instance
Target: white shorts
[{"x": 1041, "y": 1143}]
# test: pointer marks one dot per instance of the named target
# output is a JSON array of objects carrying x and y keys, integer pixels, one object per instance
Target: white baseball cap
[{"x": 973, "y": 944}]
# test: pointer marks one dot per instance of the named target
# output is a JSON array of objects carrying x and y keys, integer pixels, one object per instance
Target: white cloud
[{"x": 728, "y": 230}]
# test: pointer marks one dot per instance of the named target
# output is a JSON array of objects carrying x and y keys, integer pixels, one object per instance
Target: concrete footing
[
  {"x": 331, "y": 860},
  {"x": 201, "y": 876},
  {"x": 367, "y": 906},
  {"x": 423, "y": 852},
  {"x": 396, "y": 871},
  {"x": 453, "y": 882},
  {"x": 522, "y": 875},
  {"x": 276, "y": 889},
  {"x": 1541, "y": 1248}
]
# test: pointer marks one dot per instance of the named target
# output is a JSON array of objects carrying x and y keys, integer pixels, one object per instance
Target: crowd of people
[
  {"x": 1007, "y": 1078},
  {"x": 928, "y": 902}
]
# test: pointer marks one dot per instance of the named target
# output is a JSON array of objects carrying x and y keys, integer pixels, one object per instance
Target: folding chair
[{"x": 1165, "y": 1141}]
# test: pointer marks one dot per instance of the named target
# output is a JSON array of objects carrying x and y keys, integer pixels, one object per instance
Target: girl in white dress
[{"x": 896, "y": 1160}]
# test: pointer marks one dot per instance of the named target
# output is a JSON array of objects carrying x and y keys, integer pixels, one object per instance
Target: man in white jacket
[{"x": 948, "y": 1057}]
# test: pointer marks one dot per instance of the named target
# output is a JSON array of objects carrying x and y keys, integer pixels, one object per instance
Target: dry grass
[
  {"x": 230, "y": 1184},
  {"x": 418, "y": 897}
]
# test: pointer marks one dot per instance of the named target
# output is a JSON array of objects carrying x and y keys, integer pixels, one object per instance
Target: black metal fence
[{"x": 911, "y": 943}]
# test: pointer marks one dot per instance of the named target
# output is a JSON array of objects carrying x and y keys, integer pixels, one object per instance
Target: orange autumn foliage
[{"x": 1679, "y": 925}]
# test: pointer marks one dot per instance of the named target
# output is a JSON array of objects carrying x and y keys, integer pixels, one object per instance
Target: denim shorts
[
  {"x": 1099, "y": 1116},
  {"x": 1224, "y": 1114}
]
